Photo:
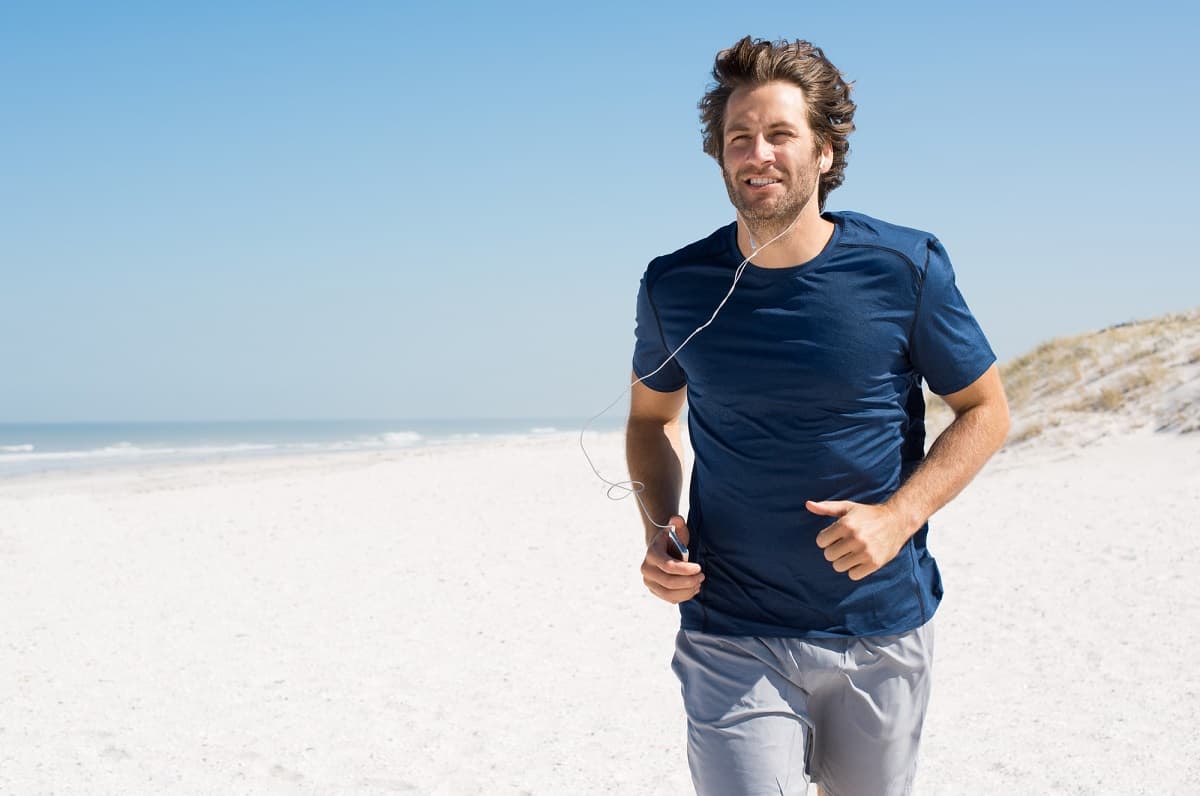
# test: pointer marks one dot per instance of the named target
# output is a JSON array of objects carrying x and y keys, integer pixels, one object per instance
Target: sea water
[{"x": 27, "y": 448}]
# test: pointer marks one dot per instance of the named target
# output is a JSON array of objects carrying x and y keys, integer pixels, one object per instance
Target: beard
[{"x": 768, "y": 216}]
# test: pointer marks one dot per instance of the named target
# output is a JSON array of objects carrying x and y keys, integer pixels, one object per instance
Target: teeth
[{"x": 762, "y": 181}]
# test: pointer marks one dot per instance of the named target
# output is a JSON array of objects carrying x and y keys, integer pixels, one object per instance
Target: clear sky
[{"x": 401, "y": 210}]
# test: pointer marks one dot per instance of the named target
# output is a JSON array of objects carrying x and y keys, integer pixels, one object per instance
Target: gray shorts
[{"x": 767, "y": 714}]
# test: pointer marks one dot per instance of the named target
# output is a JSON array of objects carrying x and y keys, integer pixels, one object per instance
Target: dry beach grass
[{"x": 1132, "y": 376}]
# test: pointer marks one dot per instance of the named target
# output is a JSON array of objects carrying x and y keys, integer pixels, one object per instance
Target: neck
[{"x": 804, "y": 241}]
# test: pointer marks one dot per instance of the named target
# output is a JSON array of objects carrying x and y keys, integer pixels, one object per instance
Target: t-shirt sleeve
[
  {"x": 947, "y": 346},
  {"x": 650, "y": 349}
]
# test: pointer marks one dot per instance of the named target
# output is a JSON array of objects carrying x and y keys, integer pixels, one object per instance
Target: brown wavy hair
[{"x": 753, "y": 62}]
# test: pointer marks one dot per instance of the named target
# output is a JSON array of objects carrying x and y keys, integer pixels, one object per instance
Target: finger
[
  {"x": 829, "y": 508},
  {"x": 681, "y": 530},
  {"x": 674, "y": 566},
  {"x": 831, "y": 534},
  {"x": 661, "y": 554},
  {"x": 673, "y": 588},
  {"x": 671, "y": 570},
  {"x": 842, "y": 548},
  {"x": 860, "y": 571},
  {"x": 675, "y": 597},
  {"x": 677, "y": 549},
  {"x": 664, "y": 591},
  {"x": 658, "y": 557},
  {"x": 652, "y": 575},
  {"x": 849, "y": 563},
  {"x": 678, "y": 537}
]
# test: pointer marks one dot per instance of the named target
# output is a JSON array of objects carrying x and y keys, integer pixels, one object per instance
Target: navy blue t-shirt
[{"x": 807, "y": 386}]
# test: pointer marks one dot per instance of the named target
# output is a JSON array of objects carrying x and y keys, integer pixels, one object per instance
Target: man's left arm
[{"x": 866, "y": 537}]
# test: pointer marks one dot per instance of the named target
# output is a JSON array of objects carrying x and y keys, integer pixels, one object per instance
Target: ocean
[{"x": 27, "y": 448}]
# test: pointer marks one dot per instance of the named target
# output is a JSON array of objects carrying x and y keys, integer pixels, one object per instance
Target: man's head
[{"x": 828, "y": 109}]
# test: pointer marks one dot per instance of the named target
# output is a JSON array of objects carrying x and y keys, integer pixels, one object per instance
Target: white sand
[{"x": 471, "y": 620}]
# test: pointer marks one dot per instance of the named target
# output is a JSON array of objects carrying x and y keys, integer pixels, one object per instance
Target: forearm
[
  {"x": 955, "y": 457},
  {"x": 654, "y": 453}
]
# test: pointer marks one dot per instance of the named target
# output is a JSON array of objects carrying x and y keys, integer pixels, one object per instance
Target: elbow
[
  {"x": 651, "y": 426},
  {"x": 990, "y": 420},
  {"x": 1003, "y": 421}
]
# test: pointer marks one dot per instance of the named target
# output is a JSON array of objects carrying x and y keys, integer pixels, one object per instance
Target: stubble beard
[{"x": 769, "y": 219}]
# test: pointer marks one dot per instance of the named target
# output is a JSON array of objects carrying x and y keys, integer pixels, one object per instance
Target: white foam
[
  {"x": 240, "y": 447},
  {"x": 402, "y": 438},
  {"x": 124, "y": 450},
  {"x": 392, "y": 439},
  {"x": 16, "y": 458}
]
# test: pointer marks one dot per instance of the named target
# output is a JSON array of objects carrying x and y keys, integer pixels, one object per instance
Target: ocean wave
[
  {"x": 147, "y": 444},
  {"x": 389, "y": 439},
  {"x": 402, "y": 438},
  {"x": 127, "y": 450},
  {"x": 204, "y": 450}
]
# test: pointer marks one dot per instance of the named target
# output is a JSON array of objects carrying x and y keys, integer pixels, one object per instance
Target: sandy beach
[{"x": 470, "y": 619}]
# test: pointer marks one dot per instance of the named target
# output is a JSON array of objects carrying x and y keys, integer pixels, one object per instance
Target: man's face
[{"x": 771, "y": 161}]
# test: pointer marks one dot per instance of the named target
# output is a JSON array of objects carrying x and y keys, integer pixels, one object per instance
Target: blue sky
[{"x": 372, "y": 210}]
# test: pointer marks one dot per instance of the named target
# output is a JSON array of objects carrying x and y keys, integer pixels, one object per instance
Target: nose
[{"x": 762, "y": 152}]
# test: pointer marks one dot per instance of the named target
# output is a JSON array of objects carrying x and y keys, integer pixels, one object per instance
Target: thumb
[
  {"x": 829, "y": 508},
  {"x": 675, "y": 552},
  {"x": 681, "y": 529}
]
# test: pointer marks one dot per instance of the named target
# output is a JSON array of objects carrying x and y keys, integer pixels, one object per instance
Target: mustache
[{"x": 748, "y": 174}]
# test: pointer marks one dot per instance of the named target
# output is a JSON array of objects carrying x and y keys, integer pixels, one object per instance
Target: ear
[{"x": 826, "y": 161}]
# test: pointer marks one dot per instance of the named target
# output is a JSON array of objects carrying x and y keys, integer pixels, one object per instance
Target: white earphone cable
[{"x": 619, "y": 490}]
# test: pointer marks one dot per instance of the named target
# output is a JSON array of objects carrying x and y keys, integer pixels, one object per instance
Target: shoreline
[
  {"x": 275, "y": 461},
  {"x": 31, "y": 448}
]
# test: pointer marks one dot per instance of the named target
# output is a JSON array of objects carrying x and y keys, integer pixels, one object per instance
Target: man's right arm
[{"x": 654, "y": 452}]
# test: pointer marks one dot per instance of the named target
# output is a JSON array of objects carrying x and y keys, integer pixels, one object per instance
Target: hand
[
  {"x": 863, "y": 539},
  {"x": 666, "y": 576}
]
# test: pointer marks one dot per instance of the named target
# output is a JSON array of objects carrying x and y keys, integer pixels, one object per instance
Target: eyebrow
[{"x": 741, "y": 128}]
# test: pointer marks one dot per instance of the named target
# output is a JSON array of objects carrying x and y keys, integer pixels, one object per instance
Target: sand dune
[{"x": 1076, "y": 390}]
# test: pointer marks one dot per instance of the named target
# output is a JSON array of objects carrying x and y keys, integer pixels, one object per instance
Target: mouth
[{"x": 761, "y": 182}]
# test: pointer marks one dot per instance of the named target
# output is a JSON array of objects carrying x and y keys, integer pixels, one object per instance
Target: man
[{"x": 807, "y": 592}]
